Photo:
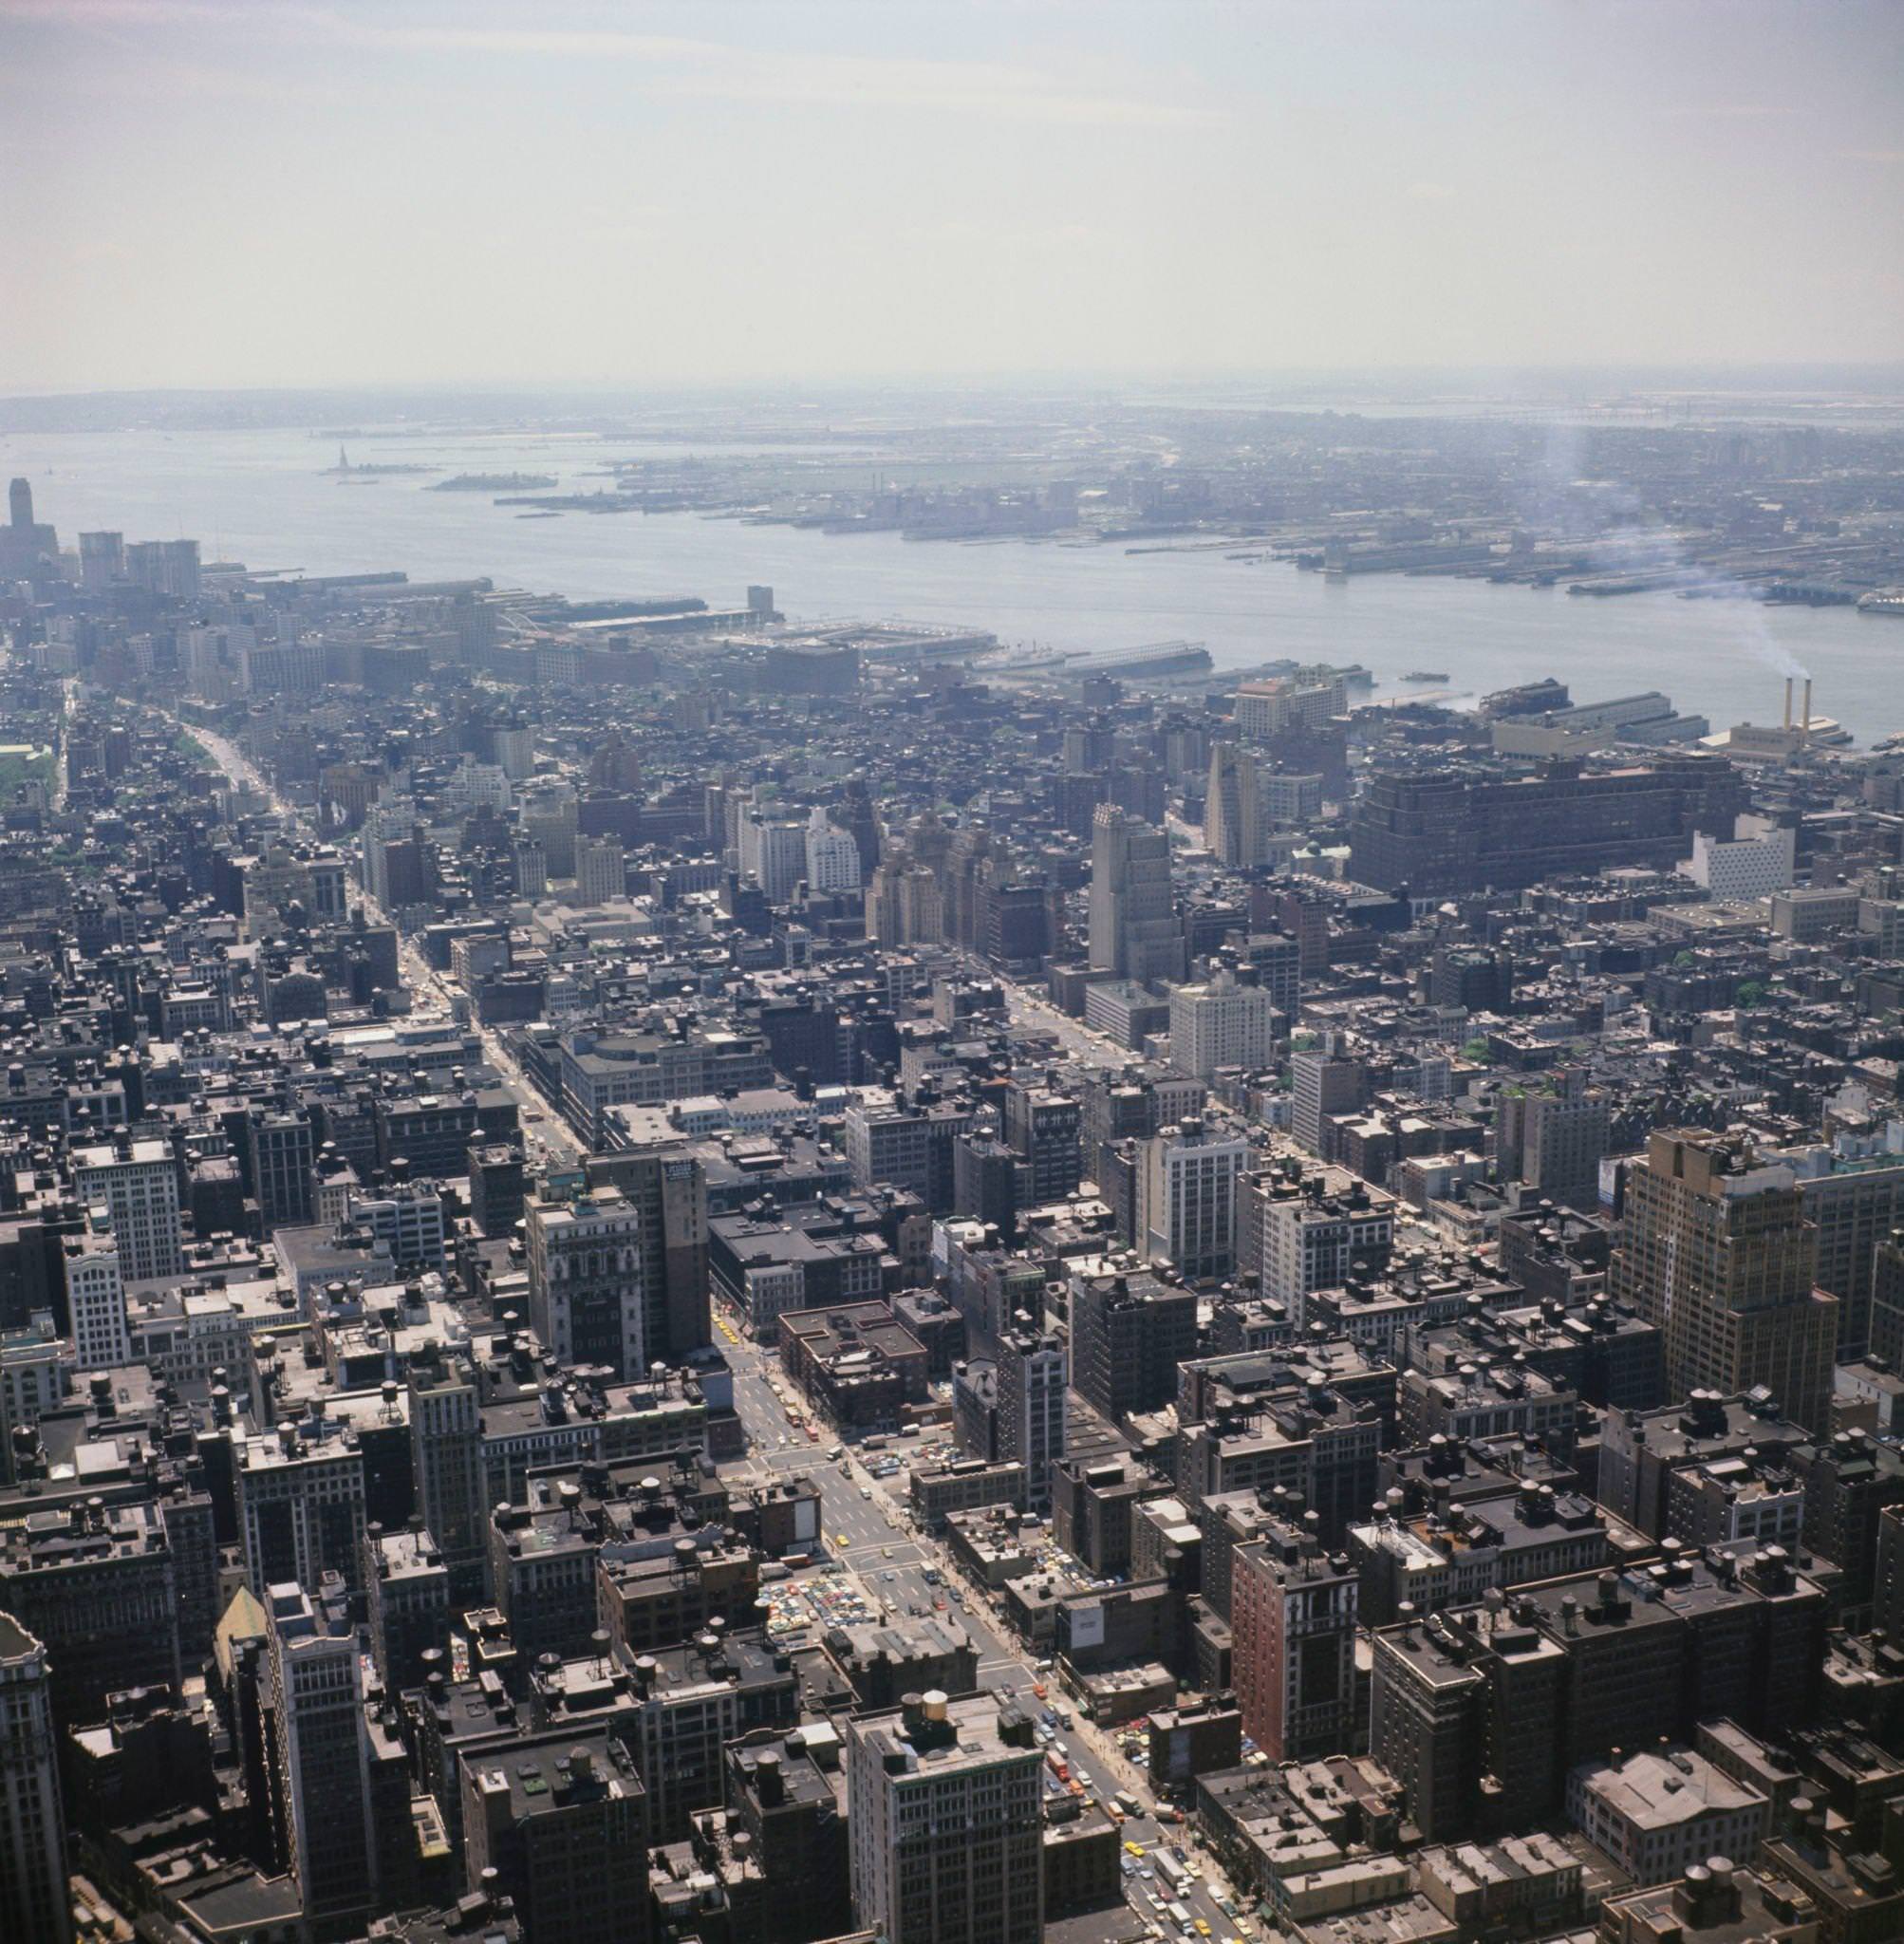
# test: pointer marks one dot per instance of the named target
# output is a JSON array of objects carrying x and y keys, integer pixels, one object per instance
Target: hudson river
[{"x": 264, "y": 498}]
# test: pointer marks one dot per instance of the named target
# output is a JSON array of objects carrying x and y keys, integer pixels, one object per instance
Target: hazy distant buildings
[{"x": 1438, "y": 831}]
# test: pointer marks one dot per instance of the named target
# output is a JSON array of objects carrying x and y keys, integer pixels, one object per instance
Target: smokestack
[
  {"x": 1807, "y": 731},
  {"x": 1788, "y": 702}
]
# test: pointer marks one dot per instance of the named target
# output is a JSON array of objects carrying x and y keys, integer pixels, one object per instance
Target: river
[{"x": 264, "y": 498}]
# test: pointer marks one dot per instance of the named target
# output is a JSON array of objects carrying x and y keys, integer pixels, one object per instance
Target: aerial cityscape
[{"x": 1072, "y": 1129}]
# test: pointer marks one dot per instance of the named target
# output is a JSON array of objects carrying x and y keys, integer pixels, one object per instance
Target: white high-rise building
[
  {"x": 1760, "y": 857},
  {"x": 1221, "y": 1024},
  {"x": 96, "y": 1300},
  {"x": 944, "y": 1822},
  {"x": 1187, "y": 1197},
  {"x": 138, "y": 1181},
  {"x": 833, "y": 857},
  {"x": 774, "y": 852}
]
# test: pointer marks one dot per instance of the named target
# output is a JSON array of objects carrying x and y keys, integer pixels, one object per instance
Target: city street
[
  {"x": 1031, "y": 1010},
  {"x": 432, "y": 992},
  {"x": 866, "y": 1521},
  {"x": 869, "y": 1528}
]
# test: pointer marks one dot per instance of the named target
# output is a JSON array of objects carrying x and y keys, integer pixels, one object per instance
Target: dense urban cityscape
[
  {"x": 951, "y": 972},
  {"x": 670, "y": 1274}
]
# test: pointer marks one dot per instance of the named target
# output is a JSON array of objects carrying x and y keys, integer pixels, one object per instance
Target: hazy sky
[{"x": 194, "y": 191}]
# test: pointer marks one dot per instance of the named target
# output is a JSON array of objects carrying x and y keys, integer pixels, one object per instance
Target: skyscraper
[
  {"x": 1716, "y": 1251},
  {"x": 32, "y": 1831},
  {"x": 1323, "y": 1082},
  {"x": 600, "y": 870},
  {"x": 1220, "y": 1024},
  {"x": 774, "y": 852},
  {"x": 1293, "y": 1619},
  {"x": 833, "y": 857},
  {"x": 1032, "y": 1378},
  {"x": 1552, "y": 1137},
  {"x": 320, "y": 1771},
  {"x": 943, "y": 1815},
  {"x": 1134, "y": 931},
  {"x": 139, "y": 1182},
  {"x": 1187, "y": 1195},
  {"x": 586, "y": 1296},
  {"x": 1043, "y": 1126},
  {"x": 562, "y": 1819},
  {"x": 96, "y": 1302},
  {"x": 446, "y": 1462}
]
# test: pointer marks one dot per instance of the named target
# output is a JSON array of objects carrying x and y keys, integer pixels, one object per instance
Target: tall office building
[
  {"x": 1716, "y": 1251},
  {"x": 600, "y": 870},
  {"x": 1306, "y": 1229},
  {"x": 832, "y": 856},
  {"x": 1234, "y": 826},
  {"x": 1220, "y": 1024},
  {"x": 96, "y": 1302},
  {"x": 300, "y": 1503},
  {"x": 586, "y": 1288},
  {"x": 282, "y": 1149},
  {"x": 138, "y": 1181},
  {"x": 1134, "y": 931},
  {"x": 531, "y": 867},
  {"x": 667, "y": 1185},
  {"x": 1272, "y": 960},
  {"x": 1323, "y": 1082},
  {"x": 944, "y": 1822},
  {"x": 1045, "y": 1127},
  {"x": 1128, "y": 1332},
  {"x": 1552, "y": 1136},
  {"x": 1266, "y": 710},
  {"x": 773, "y": 854},
  {"x": 1031, "y": 1377},
  {"x": 446, "y": 1462},
  {"x": 1187, "y": 1197},
  {"x": 319, "y": 1758},
  {"x": 1293, "y": 1621},
  {"x": 101, "y": 561},
  {"x": 33, "y": 1901},
  {"x": 1855, "y": 1202},
  {"x": 1249, "y": 802}
]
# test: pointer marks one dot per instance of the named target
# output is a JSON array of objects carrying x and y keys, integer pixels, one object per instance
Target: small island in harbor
[{"x": 493, "y": 482}]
